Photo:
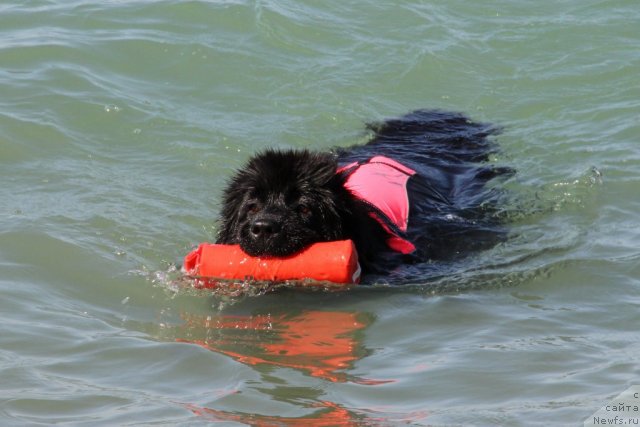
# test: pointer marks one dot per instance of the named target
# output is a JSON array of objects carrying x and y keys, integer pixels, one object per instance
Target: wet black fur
[{"x": 284, "y": 200}]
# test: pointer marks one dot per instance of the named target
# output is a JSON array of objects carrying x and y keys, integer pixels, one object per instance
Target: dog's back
[{"x": 452, "y": 209}]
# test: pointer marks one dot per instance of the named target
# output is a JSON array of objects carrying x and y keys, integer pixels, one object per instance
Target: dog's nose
[{"x": 264, "y": 228}]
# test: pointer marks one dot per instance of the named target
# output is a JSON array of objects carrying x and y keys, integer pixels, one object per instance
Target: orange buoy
[{"x": 335, "y": 262}]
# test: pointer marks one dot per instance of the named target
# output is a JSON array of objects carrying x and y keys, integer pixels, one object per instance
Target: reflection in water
[
  {"x": 330, "y": 414},
  {"x": 322, "y": 344}
]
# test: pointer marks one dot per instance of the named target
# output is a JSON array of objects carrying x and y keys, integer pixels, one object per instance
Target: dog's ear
[
  {"x": 320, "y": 168},
  {"x": 229, "y": 220},
  {"x": 230, "y": 214}
]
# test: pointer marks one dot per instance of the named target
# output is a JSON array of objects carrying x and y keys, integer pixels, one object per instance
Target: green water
[{"x": 121, "y": 121}]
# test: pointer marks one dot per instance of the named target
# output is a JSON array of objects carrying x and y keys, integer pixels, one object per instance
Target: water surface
[{"x": 121, "y": 121}]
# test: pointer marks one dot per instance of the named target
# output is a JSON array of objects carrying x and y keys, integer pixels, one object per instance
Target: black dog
[{"x": 282, "y": 201}]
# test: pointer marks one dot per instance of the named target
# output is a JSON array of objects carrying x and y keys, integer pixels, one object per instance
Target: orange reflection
[
  {"x": 330, "y": 415},
  {"x": 321, "y": 343}
]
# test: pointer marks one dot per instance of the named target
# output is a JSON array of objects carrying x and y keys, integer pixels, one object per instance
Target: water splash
[
  {"x": 573, "y": 192},
  {"x": 528, "y": 203}
]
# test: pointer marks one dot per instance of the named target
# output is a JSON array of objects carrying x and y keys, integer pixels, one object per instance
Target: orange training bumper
[{"x": 335, "y": 262}]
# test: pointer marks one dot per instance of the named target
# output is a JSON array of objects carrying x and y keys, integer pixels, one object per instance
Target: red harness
[{"x": 381, "y": 182}]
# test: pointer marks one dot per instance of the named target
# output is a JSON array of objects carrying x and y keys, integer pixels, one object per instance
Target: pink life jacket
[{"x": 382, "y": 183}]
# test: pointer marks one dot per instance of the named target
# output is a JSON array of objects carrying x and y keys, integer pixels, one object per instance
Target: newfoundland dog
[{"x": 416, "y": 192}]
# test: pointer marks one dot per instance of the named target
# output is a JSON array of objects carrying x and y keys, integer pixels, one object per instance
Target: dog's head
[{"x": 281, "y": 202}]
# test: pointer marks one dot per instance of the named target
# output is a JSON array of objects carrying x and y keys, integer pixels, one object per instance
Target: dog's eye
[
  {"x": 253, "y": 208},
  {"x": 304, "y": 210}
]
